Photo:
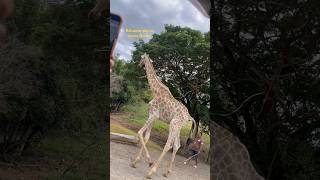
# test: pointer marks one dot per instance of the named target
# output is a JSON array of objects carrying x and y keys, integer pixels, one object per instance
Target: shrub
[{"x": 26, "y": 105}]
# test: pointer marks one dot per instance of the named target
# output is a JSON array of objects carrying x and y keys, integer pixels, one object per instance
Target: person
[{"x": 195, "y": 149}]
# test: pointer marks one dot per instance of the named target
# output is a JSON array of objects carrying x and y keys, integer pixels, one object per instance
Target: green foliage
[
  {"x": 204, "y": 114},
  {"x": 127, "y": 86},
  {"x": 120, "y": 67},
  {"x": 146, "y": 96}
]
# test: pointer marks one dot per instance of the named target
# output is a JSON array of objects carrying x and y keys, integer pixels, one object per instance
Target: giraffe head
[{"x": 144, "y": 57}]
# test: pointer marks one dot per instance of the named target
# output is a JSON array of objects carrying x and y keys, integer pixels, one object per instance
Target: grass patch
[{"x": 117, "y": 128}]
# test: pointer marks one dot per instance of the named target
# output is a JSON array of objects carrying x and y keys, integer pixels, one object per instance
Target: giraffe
[
  {"x": 231, "y": 160},
  {"x": 165, "y": 108}
]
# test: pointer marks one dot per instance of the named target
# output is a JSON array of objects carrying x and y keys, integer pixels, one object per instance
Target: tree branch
[{"x": 242, "y": 104}]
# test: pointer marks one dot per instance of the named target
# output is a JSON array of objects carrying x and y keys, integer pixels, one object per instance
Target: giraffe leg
[
  {"x": 146, "y": 139},
  {"x": 137, "y": 159},
  {"x": 155, "y": 166},
  {"x": 147, "y": 136},
  {"x": 176, "y": 146},
  {"x": 146, "y": 127},
  {"x": 167, "y": 147}
]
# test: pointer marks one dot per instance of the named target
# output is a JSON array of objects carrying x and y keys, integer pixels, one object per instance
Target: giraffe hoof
[
  {"x": 148, "y": 176},
  {"x": 133, "y": 165},
  {"x": 166, "y": 174}
]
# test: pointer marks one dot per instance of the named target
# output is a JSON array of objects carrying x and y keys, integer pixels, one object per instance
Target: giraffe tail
[
  {"x": 194, "y": 130},
  {"x": 193, "y": 133}
]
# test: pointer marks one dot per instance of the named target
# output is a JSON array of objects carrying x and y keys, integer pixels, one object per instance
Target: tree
[
  {"x": 266, "y": 62},
  {"x": 53, "y": 74},
  {"x": 75, "y": 49},
  {"x": 27, "y": 102}
]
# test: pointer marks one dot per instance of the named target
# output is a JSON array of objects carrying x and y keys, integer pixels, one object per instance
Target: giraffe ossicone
[{"x": 145, "y": 55}]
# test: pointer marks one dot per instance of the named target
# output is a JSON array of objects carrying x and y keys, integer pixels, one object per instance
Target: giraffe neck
[
  {"x": 156, "y": 86},
  {"x": 230, "y": 154}
]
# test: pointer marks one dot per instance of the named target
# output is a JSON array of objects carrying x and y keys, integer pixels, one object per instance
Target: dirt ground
[
  {"x": 35, "y": 170},
  {"x": 121, "y": 155}
]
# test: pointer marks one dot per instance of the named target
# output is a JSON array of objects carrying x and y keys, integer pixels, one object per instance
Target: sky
[{"x": 153, "y": 14}]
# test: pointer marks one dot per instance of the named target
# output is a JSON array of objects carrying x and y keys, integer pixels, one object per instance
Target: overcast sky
[{"x": 154, "y": 14}]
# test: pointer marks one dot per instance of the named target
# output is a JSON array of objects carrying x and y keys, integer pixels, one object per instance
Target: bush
[
  {"x": 27, "y": 107},
  {"x": 118, "y": 93},
  {"x": 126, "y": 86}
]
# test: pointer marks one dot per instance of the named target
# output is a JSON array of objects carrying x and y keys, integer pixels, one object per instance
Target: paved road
[{"x": 120, "y": 157}]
